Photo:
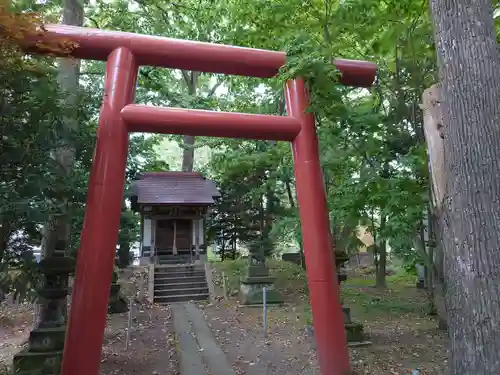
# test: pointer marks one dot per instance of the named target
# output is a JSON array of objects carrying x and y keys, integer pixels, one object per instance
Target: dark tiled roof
[{"x": 174, "y": 188}]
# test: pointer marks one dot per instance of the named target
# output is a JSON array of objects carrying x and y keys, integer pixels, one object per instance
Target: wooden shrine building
[{"x": 173, "y": 206}]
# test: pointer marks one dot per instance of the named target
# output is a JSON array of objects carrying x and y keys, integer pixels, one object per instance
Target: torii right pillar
[{"x": 324, "y": 291}]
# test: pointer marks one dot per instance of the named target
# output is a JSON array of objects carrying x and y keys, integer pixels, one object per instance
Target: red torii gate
[{"x": 124, "y": 53}]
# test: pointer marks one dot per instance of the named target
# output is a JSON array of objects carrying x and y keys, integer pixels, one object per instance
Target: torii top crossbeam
[{"x": 96, "y": 44}]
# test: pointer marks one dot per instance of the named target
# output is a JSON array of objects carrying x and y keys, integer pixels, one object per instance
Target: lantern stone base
[
  {"x": 44, "y": 351},
  {"x": 117, "y": 303},
  {"x": 27, "y": 362},
  {"x": 355, "y": 335},
  {"x": 118, "y": 306},
  {"x": 47, "y": 339},
  {"x": 251, "y": 291},
  {"x": 420, "y": 284},
  {"x": 354, "y": 331}
]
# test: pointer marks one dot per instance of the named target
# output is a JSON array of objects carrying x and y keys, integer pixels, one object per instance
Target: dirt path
[{"x": 152, "y": 344}]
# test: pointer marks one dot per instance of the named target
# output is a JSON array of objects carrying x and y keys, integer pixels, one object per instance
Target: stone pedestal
[
  {"x": 256, "y": 279},
  {"x": 354, "y": 330},
  {"x": 117, "y": 303},
  {"x": 43, "y": 353},
  {"x": 420, "y": 284},
  {"x": 420, "y": 276},
  {"x": 251, "y": 291}
]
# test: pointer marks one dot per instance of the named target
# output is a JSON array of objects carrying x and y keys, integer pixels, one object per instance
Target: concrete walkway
[{"x": 199, "y": 354}]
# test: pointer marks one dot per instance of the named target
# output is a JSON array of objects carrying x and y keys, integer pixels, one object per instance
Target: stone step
[
  {"x": 174, "y": 257},
  {"x": 179, "y": 273},
  {"x": 168, "y": 266},
  {"x": 167, "y": 258},
  {"x": 171, "y": 256},
  {"x": 175, "y": 284},
  {"x": 179, "y": 292},
  {"x": 181, "y": 266},
  {"x": 188, "y": 265},
  {"x": 174, "y": 261},
  {"x": 181, "y": 298},
  {"x": 179, "y": 280},
  {"x": 169, "y": 253}
]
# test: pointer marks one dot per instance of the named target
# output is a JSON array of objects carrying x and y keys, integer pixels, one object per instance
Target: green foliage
[
  {"x": 250, "y": 202},
  {"x": 372, "y": 146},
  {"x": 30, "y": 178},
  {"x": 33, "y": 185}
]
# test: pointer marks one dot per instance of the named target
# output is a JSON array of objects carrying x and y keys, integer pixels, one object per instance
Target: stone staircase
[
  {"x": 165, "y": 256},
  {"x": 180, "y": 283}
]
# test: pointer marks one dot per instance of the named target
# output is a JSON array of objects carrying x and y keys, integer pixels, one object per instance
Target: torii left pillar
[{"x": 124, "y": 53}]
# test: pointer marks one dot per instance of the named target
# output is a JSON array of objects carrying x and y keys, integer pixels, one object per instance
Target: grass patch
[
  {"x": 402, "y": 278},
  {"x": 290, "y": 278},
  {"x": 396, "y": 281},
  {"x": 366, "y": 302}
]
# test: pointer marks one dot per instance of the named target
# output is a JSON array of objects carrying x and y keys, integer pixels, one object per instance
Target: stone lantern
[{"x": 256, "y": 278}]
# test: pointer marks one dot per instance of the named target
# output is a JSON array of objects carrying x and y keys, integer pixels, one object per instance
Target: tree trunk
[
  {"x": 381, "y": 265},
  {"x": 57, "y": 230},
  {"x": 191, "y": 79},
  {"x": 289, "y": 193},
  {"x": 434, "y": 136},
  {"x": 470, "y": 77},
  {"x": 292, "y": 205},
  {"x": 428, "y": 248},
  {"x": 438, "y": 272},
  {"x": 222, "y": 252},
  {"x": 233, "y": 248},
  {"x": 5, "y": 234}
]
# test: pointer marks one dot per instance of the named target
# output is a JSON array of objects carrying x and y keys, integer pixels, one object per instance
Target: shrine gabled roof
[{"x": 174, "y": 188}]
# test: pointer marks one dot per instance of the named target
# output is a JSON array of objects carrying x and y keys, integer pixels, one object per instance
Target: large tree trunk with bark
[{"x": 470, "y": 77}]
